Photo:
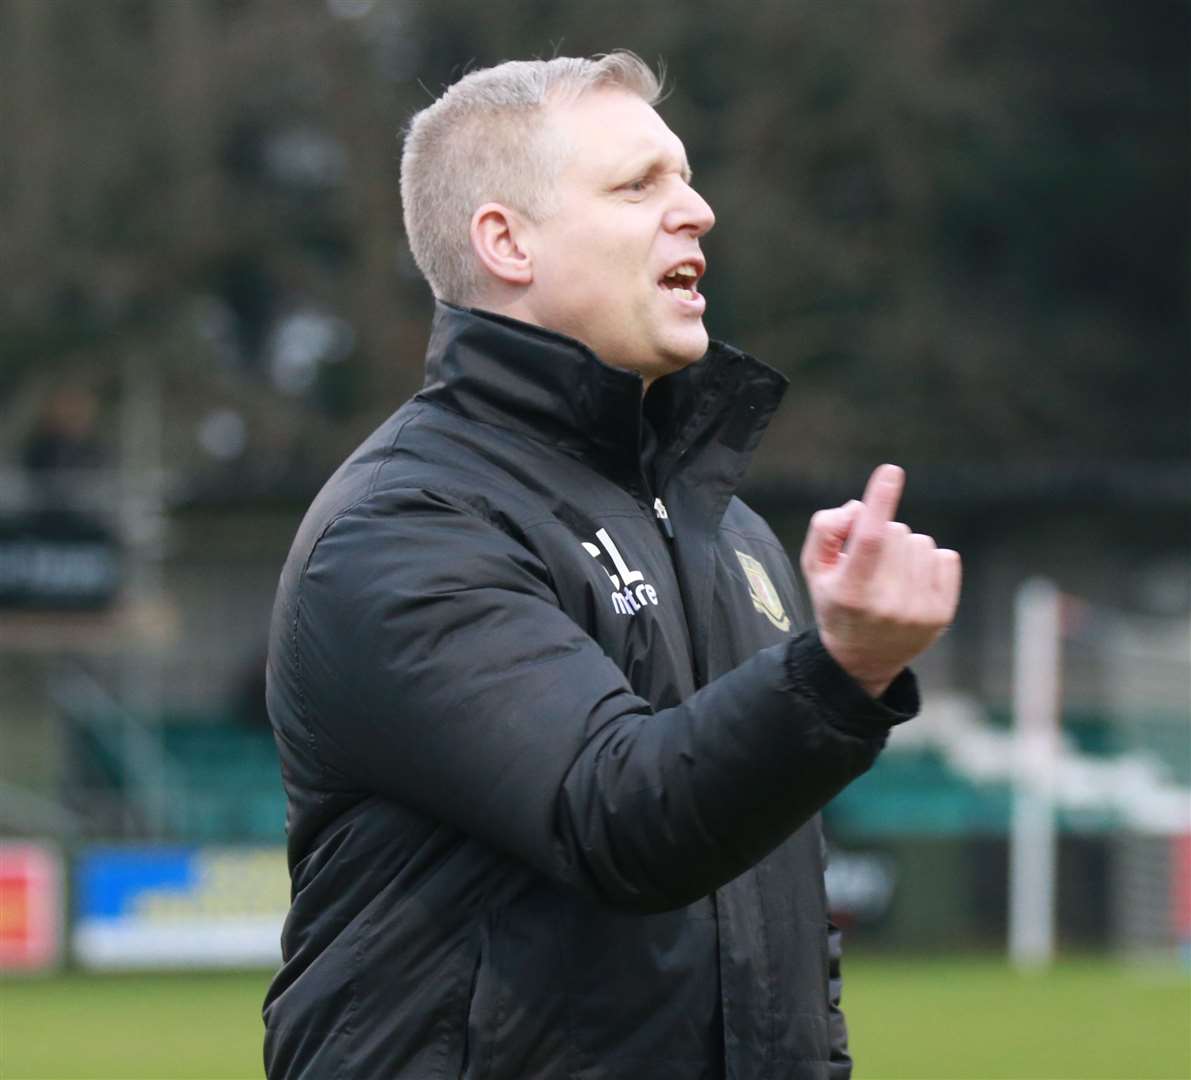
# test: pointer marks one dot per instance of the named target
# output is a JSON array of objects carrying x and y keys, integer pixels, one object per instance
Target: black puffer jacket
[{"x": 553, "y": 774}]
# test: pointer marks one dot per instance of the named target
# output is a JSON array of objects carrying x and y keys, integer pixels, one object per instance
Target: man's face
[{"x": 617, "y": 266}]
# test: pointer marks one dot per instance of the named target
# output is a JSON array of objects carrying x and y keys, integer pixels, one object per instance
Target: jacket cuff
[{"x": 848, "y": 707}]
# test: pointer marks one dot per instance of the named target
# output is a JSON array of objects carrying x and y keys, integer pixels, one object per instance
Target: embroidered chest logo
[
  {"x": 630, "y": 591},
  {"x": 765, "y": 597}
]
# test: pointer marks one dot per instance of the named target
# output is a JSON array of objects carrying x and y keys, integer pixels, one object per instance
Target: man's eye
[{"x": 640, "y": 184}]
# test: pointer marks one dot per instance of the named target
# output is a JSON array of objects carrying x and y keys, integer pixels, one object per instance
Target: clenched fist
[{"x": 881, "y": 593}]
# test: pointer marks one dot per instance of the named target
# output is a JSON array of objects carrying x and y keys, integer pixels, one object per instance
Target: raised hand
[{"x": 881, "y": 593}]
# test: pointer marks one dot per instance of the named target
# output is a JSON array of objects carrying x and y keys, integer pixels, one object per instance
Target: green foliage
[{"x": 959, "y": 225}]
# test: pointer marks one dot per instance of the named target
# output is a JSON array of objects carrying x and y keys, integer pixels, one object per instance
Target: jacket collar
[{"x": 554, "y": 389}]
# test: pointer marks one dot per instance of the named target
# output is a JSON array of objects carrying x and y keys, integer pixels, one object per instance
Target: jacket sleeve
[{"x": 436, "y": 668}]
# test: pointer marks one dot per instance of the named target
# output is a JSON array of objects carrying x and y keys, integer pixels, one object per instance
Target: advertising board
[
  {"x": 179, "y": 907},
  {"x": 30, "y": 907}
]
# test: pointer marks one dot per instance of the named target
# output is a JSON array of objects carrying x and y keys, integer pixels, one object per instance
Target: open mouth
[{"x": 681, "y": 281}]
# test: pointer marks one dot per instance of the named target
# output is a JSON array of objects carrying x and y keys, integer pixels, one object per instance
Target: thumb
[{"x": 826, "y": 536}]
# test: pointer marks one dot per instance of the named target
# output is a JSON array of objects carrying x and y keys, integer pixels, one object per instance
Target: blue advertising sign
[{"x": 159, "y": 906}]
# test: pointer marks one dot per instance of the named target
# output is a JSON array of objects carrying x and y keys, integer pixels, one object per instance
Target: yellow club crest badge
[{"x": 765, "y": 597}]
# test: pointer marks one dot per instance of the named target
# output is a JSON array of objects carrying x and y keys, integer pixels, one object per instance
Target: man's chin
[
  {"x": 687, "y": 348},
  {"x": 664, "y": 356}
]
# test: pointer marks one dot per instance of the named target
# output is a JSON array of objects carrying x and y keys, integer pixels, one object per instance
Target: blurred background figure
[
  {"x": 65, "y": 436},
  {"x": 960, "y": 227}
]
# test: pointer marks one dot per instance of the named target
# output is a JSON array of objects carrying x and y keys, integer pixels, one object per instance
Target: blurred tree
[{"x": 961, "y": 226}]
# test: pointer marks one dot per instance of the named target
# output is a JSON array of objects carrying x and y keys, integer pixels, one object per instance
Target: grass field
[{"x": 945, "y": 1019}]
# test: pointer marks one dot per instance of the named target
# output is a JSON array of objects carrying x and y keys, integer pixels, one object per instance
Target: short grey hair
[{"x": 484, "y": 141}]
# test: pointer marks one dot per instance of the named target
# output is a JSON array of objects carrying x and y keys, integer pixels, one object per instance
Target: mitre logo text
[{"x": 630, "y": 591}]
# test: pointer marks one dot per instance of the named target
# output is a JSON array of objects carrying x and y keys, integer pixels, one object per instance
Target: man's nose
[{"x": 690, "y": 212}]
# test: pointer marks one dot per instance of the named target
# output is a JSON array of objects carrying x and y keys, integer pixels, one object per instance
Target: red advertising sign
[
  {"x": 30, "y": 907},
  {"x": 1180, "y": 885}
]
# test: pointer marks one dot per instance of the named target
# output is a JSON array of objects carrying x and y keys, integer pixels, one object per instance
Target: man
[{"x": 553, "y": 744}]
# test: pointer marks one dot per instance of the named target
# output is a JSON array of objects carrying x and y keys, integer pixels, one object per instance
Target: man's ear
[{"x": 496, "y": 232}]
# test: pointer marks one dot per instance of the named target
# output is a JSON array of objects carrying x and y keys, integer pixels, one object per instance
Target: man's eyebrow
[{"x": 660, "y": 164}]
